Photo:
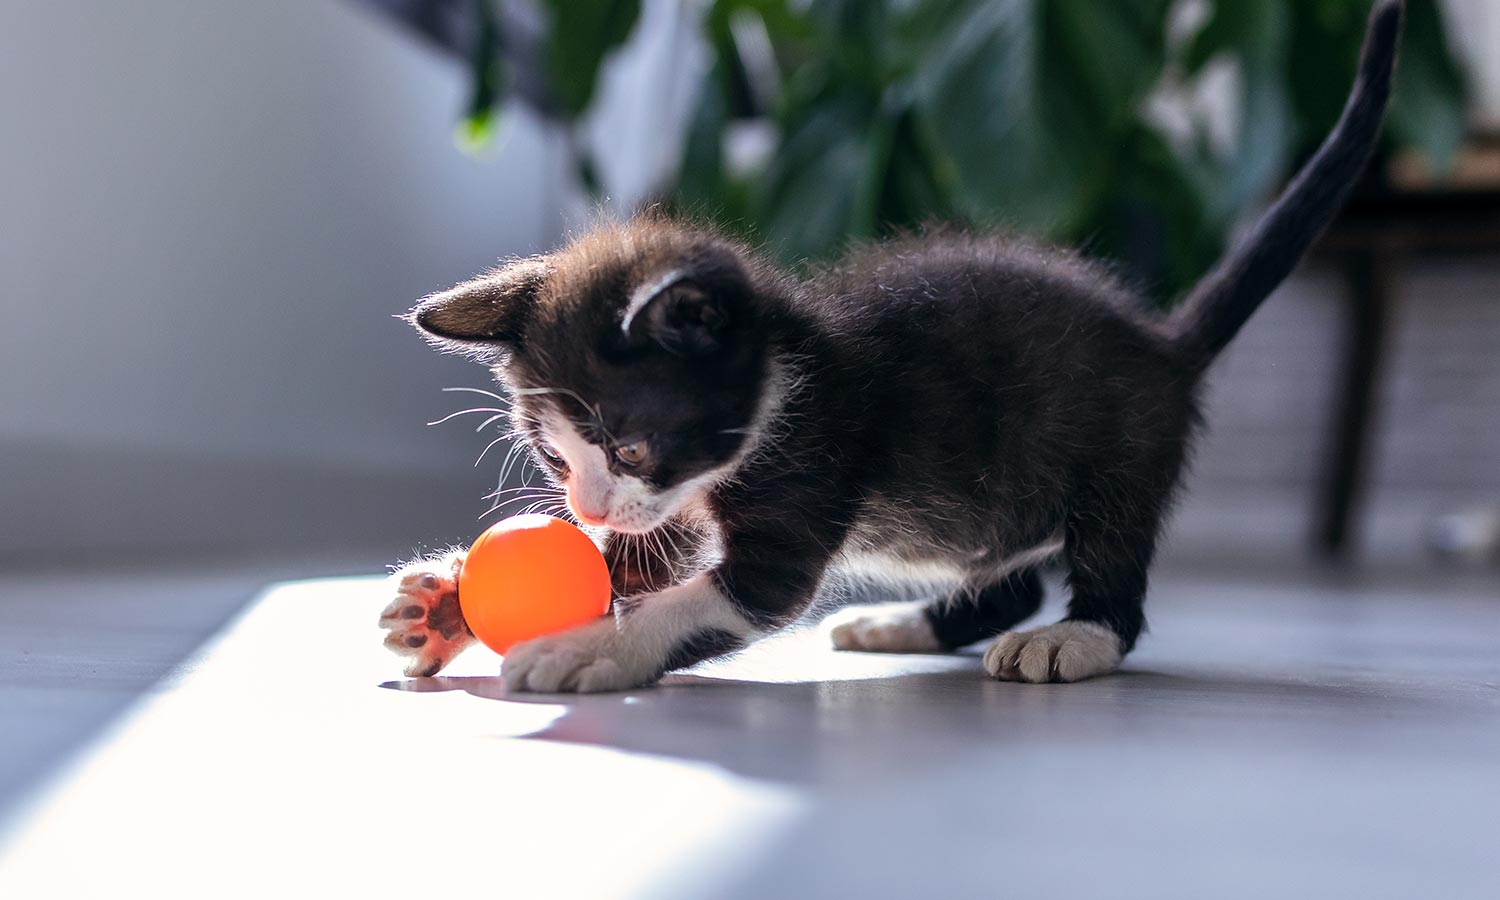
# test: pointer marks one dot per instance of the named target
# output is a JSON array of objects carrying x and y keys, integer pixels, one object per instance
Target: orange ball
[{"x": 527, "y": 576}]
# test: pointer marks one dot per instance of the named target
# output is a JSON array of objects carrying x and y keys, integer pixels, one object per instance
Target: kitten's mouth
[
  {"x": 629, "y": 527},
  {"x": 623, "y": 526}
]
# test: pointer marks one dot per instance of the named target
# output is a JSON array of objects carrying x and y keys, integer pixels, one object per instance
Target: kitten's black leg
[
  {"x": 1108, "y": 555},
  {"x": 967, "y": 617},
  {"x": 1107, "y": 576},
  {"x": 942, "y": 624}
]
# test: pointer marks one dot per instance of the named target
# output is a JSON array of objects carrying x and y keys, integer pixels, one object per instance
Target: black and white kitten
[{"x": 948, "y": 406}]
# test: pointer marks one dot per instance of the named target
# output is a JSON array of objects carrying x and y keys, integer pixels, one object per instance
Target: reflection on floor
[{"x": 1275, "y": 733}]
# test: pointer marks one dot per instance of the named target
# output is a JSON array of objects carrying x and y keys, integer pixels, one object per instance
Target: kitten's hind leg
[
  {"x": 1107, "y": 576},
  {"x": 943, "y": 624}
]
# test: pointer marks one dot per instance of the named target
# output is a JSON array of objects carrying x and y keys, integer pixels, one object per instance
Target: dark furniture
[{"x": 1406, "y": 217}]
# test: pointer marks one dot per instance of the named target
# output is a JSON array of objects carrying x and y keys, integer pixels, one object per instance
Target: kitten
[{"x": 954, "y": 406}]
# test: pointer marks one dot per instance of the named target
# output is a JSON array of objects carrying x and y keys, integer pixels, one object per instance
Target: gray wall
[{"x": 210, "y": 211}]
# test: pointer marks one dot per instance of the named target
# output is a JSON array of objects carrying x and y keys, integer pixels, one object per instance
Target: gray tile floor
[{"x": 1277, "y": 734}]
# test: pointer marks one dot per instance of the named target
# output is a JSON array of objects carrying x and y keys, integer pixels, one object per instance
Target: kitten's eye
[
  {"x": 632, "y": 454},
  {"x": 551, "y": 453}
]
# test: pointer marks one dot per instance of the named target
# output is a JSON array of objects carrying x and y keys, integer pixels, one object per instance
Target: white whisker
[
  {"x": 535, "y": 497},
  {"x": 474, "y": 390},
  {"x": 487, "y": 450},
  {"x": 465, "y": 412},
  {"x": 516, "y": 449}
]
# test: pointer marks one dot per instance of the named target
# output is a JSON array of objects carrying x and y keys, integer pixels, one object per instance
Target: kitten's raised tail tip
[{"x": 1226, "y": 297}]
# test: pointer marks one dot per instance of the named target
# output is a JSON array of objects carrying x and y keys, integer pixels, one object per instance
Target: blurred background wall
[{"x": 210, "y": 211}]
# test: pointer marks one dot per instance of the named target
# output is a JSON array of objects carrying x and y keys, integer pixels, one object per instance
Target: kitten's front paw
[
  {"x": 587, "y": 659},
  {"x": 424, "y": 620},
  {"x": 883, "y": 628},
  {"x": 1067, "y": 651}
]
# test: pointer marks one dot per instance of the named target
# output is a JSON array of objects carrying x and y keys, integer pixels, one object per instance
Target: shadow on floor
[{"x": 830, "y": 731}]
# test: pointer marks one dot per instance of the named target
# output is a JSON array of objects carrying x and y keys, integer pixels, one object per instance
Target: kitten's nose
[{"x": 584, "y": 512}]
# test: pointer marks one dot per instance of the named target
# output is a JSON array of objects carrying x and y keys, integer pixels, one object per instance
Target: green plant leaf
[
  {"x": 1027, "y": 102},
  {"x": 809, "y": 198},
  {"x": 1027, "y": 113},
  {"x": 1324, "y": 38},
  {"x": 1428, "y": 110},
  {"x": 581, "y": 34},
  {"x": 915, "y": 188},
  {"x": 701, "y": 174},
  {"x": 1113, "y": 51},
  {"x": 480, "y": 124},
  {"x": 1255, "y": 34},
  {"x": 1157, "y": 219},
  {"x": 980, "y": 94}
]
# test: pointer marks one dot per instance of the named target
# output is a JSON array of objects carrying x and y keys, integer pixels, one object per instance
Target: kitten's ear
[
  {"x": 681, "y": 315},
  {"x": 491, "y": 309}
]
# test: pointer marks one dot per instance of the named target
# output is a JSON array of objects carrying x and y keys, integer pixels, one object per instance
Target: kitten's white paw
[
  {"x": 424, "y": 620},
  {"x": 883, "y": 628},
  {"x": 1067, "y": 651},
  {"x": 587, "y": 659}
]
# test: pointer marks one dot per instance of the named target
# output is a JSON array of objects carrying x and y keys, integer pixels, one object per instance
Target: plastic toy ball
[{"x": 527, "y": 576}]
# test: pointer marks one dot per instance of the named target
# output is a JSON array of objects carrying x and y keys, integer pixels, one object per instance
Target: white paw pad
[
  {"x": 1067, "y": 651},
  {"x": 884, "y": 628},
  {"x": 584, "y": 660}
]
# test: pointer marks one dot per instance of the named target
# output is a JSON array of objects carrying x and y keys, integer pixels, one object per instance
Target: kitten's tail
[{"x": 1221, "y": 303}]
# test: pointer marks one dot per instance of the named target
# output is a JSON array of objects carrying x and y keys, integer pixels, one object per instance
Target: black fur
[
  {"x": 946, "y": 397},
  {"x": 703, "y": 645},
  {"x": 962, "y": 619}
]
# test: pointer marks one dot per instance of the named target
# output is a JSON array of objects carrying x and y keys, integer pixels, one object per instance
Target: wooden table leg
[{"x": 1368, "y": 298}]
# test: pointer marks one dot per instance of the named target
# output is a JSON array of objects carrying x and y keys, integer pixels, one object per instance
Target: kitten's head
[{"x": 636, "y": 359}]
